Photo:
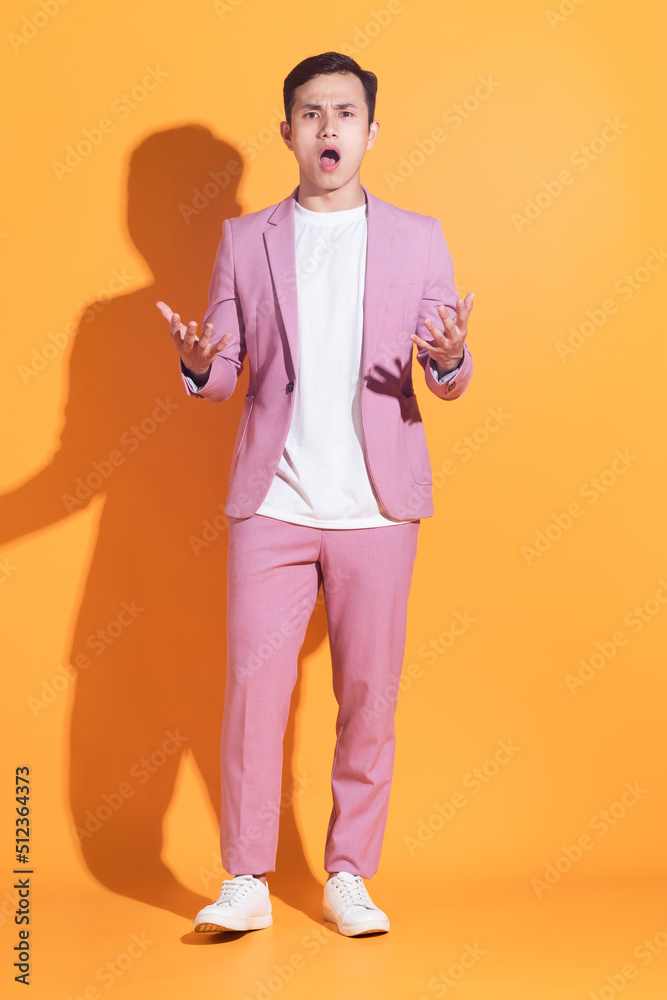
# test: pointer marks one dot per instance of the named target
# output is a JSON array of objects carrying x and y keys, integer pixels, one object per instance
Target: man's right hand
[{"x": 197, "y": 353}]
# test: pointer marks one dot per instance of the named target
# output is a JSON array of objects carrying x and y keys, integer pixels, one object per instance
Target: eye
[{"x": 346, "y": 112}]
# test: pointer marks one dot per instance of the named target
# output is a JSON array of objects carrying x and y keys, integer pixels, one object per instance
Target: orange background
[{"x": 570, "y": 364}]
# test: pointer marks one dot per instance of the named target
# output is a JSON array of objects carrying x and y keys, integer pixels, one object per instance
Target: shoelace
[
  {"x": 232, "y": 888},
  {"x": 354, "y": 893}
]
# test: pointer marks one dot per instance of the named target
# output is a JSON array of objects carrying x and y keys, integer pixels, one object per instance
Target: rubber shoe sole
[
  {"x": 369, "y": 926},
  {"x": 233, "y": 924},
  {"x": 244, "y": 904}
]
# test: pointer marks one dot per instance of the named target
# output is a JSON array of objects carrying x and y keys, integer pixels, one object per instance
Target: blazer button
[{"x": 290, "y": 386}]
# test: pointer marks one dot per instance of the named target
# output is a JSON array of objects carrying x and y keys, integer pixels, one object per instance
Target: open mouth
[{"x": 329, "y": 158}]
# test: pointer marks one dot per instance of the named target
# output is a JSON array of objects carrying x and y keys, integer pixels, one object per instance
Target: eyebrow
[{"x": 316, "y": 107}]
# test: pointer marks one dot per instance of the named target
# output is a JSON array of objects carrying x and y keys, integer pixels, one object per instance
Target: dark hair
[{"x": 328, "y": 62}]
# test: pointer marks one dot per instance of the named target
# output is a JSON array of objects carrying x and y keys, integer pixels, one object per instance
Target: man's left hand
[{"x": 446, "y": 349}]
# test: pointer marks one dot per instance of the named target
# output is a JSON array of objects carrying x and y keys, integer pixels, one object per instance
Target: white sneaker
[
  {"x": 347, "y": 904},
  {"x": 243, "y": 905}
]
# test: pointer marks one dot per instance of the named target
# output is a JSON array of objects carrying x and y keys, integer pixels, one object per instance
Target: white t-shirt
[{"x": 322, "y": 479}]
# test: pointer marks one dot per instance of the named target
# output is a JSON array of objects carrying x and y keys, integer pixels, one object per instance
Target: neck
[{"x": 317, "y": 199}]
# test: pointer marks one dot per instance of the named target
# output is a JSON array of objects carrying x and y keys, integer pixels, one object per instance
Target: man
[{"x": 324, "y": 293}]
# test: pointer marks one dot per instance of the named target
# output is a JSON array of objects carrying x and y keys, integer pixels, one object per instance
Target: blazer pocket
[
  {"x": 414, "y": 441},
  {"x": 242, "y": 431}
]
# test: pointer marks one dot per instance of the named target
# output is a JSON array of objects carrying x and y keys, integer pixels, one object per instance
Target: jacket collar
[
  {"x": 285, "y": 208},
  {"x": 381, "y": 249}
]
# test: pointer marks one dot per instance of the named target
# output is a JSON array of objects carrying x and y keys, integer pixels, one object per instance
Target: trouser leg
[
  {"x": 272, "y": 586},
  {"x": 367, "y": 573}
]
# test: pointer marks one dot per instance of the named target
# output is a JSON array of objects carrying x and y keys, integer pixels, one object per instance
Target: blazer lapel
[
  {"x": 279, "y": 241},
  {"x": 381, "y": 247}
]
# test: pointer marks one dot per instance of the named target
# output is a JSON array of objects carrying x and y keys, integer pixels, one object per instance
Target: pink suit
[{"x": 275, "y": 567}]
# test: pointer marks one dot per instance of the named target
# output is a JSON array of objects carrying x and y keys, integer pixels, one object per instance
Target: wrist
[
  {"x": 200, "y": 378},
  {"x": 442, "y": 370}
]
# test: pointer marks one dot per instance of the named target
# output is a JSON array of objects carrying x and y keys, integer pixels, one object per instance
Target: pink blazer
[{"x": 253, "y": 295}]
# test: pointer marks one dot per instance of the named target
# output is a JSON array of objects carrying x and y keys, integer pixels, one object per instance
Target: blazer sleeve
[
  {"x": 224, "y": 312},
  {"x": 439, "y": 289}
]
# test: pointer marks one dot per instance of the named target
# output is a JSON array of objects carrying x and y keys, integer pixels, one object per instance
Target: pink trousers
[{"x": 274, "y": 572}]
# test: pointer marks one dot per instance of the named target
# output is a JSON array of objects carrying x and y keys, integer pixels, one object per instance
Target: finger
[
  {"x": 175, "y": 329},
  {"x": 164, "y": 309},
  {"x": 419, "y": 342},
  {"x": 447, "y": 321},
  {"x": 439, "y": 336},
  {"x": 176, "y": 326},
  {"x": 214, "y": 349},
  {"x": 190, "y": 337},
  {"x": 205, "y": 336},
  {"x": 454, "y": 334},
  {"x": 222, "y": 343},
  {"x": 187, "y": 335},
  {"x": 454, "y": 329},
  {"x": 463, "y": 306}
]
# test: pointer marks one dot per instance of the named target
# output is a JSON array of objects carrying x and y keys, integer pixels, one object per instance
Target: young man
[{"x": 325, "y": 293}]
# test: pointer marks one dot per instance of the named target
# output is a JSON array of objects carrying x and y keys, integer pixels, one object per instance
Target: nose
[{"x": 328, "y": 124}]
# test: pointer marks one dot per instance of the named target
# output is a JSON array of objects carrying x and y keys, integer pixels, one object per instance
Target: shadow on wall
[{"x": 149, "y": 641}]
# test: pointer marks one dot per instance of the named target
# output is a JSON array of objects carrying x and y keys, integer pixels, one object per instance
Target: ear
[
  {"x": 286, "y": 133},
  {"x": 372, "y": 134}
]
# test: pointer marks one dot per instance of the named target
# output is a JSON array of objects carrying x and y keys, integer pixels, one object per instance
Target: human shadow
[{"x": 147, "y": 659}]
